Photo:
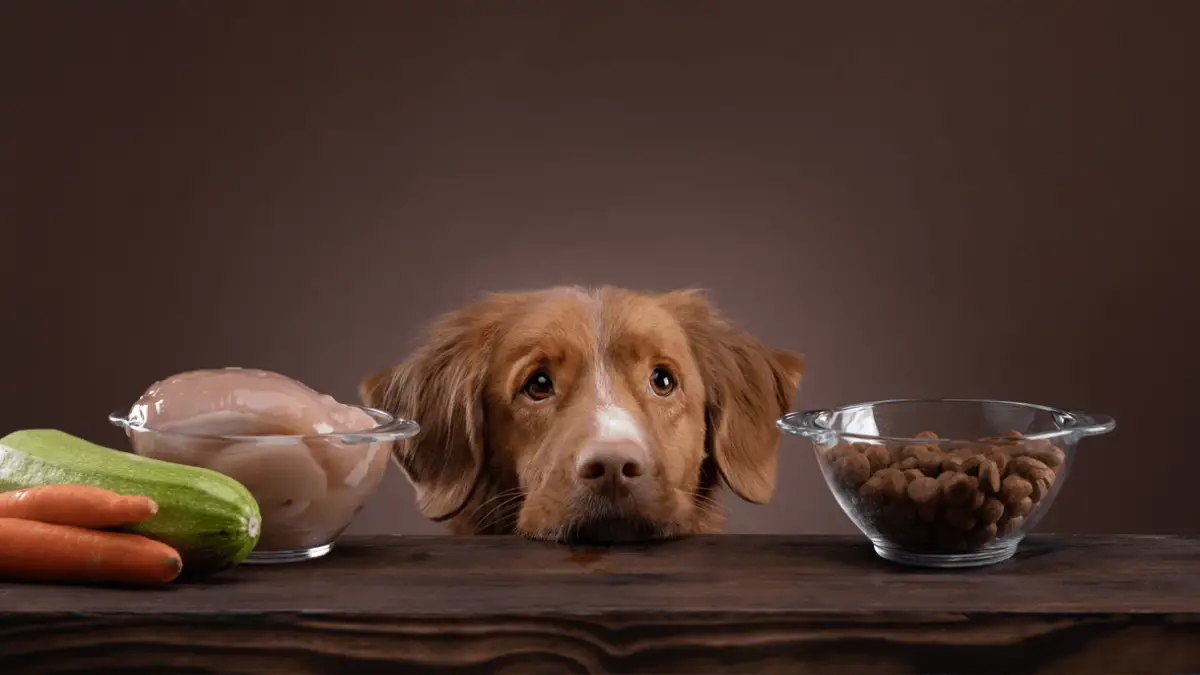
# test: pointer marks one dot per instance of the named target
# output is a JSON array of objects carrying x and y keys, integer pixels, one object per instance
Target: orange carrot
[
  {"x": 78, "y": 505},
  {"x": 33, "y": 551}
]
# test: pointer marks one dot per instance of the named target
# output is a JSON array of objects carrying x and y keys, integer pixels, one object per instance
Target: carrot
[
  {"x": 78, "y": 505},
  {"x": 33, "y": 551}
]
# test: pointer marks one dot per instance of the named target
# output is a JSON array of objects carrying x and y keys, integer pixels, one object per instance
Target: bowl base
[
  {"x": 286, "y": 556},
  {"x": 981, "y": 558}
]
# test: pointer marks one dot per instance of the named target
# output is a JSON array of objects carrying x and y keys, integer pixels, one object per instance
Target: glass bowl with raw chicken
[{"x": 310, "y": 461}]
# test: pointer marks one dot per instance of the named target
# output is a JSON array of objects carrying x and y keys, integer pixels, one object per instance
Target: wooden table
[{"x": 701, "y": 605}]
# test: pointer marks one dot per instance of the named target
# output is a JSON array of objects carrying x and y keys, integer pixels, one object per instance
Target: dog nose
[{"x": 610, "y": 466}]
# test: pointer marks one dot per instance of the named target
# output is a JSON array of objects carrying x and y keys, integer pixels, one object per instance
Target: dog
[{"x": 594, "y": 416}]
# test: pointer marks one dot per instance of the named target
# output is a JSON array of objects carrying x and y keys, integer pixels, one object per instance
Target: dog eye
[
  {"x": 662, "y": 382},
  {"x": 539, "y": 386}
]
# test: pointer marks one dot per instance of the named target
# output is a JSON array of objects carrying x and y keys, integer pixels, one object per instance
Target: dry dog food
[{"x": 937, "y": 499}]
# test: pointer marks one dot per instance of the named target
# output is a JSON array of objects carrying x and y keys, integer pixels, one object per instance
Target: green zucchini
[{"x": 209, "y": 518}]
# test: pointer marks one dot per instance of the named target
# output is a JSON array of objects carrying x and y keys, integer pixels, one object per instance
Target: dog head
[{"x": 587, "y": 416}]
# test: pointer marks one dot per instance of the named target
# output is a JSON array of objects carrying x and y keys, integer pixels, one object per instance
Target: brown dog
[{"x": 593, "y": 416}]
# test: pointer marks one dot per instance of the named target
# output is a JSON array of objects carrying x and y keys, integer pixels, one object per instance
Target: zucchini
[{"x": 209, "y": 518}]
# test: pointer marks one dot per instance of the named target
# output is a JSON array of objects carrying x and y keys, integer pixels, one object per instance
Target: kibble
[
  {"x": 1009, "y": 525},
  {"x": 1022, "y": 508},
  {"x": 878, "y": 457},
  {"x": 991, "y": 511},
  {"x": 947, "y": 500},
  {"x": 961, "y": 489},
  {"x": 854, "y": 469},
  {"x": 1014, "y": 489},
  {"x": 989, "y": 476},
  {"x": 952, "y": 464},
  {"x": 923, "y": 490}
]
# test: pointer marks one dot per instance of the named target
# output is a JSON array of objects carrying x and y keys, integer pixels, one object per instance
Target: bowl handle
[
  {"x": 1092, "y": 425},
  {"x": 805, "y": 424},
  {"x": 394, "y": 429}
]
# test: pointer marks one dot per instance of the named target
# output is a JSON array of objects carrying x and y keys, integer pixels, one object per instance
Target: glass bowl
[
  {"x": 945, "y": 482},
  {"x": 309, "y": 488}
]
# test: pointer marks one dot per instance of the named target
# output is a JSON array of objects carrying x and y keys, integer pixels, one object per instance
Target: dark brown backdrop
[{"x": 989, "y": 199}]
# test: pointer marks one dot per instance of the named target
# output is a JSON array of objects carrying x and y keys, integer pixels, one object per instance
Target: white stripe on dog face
[
  {"x": 615, "y": 423},
  {"x": 612, "y": 421}
]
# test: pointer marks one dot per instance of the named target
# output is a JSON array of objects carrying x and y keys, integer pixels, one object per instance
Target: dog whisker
[
  {"x": 499, "y": 496},
  {"x": 495, "y": 504}
]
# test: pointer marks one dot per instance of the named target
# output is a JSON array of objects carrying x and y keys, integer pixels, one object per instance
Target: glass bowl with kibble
[{"x": 945, "y": 483}]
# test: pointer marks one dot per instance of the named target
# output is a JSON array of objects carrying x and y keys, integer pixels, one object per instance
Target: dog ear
[
  {"x": 441, "y": 387},
  {"x": 749, "y": 386}
]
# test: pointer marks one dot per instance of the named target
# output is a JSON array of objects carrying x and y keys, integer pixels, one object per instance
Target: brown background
[{"x": 982, "y": 199}]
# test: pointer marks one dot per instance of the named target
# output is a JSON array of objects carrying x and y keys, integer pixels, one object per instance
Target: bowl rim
[
  {"x": 808, "y": 423},
  {"x": 388, "y": 428}
]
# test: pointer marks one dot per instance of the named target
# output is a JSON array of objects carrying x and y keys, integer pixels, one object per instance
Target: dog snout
[{"x": 611, "y": 468}]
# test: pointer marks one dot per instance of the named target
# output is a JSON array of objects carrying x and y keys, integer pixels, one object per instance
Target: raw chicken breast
[{"x": 308, "y": 489}]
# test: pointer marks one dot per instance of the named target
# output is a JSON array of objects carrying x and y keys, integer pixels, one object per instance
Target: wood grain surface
[{"x": 700, "y": 605}]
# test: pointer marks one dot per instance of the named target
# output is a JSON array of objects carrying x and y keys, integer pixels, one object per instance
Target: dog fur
[{"x": 600, "y": 415}]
